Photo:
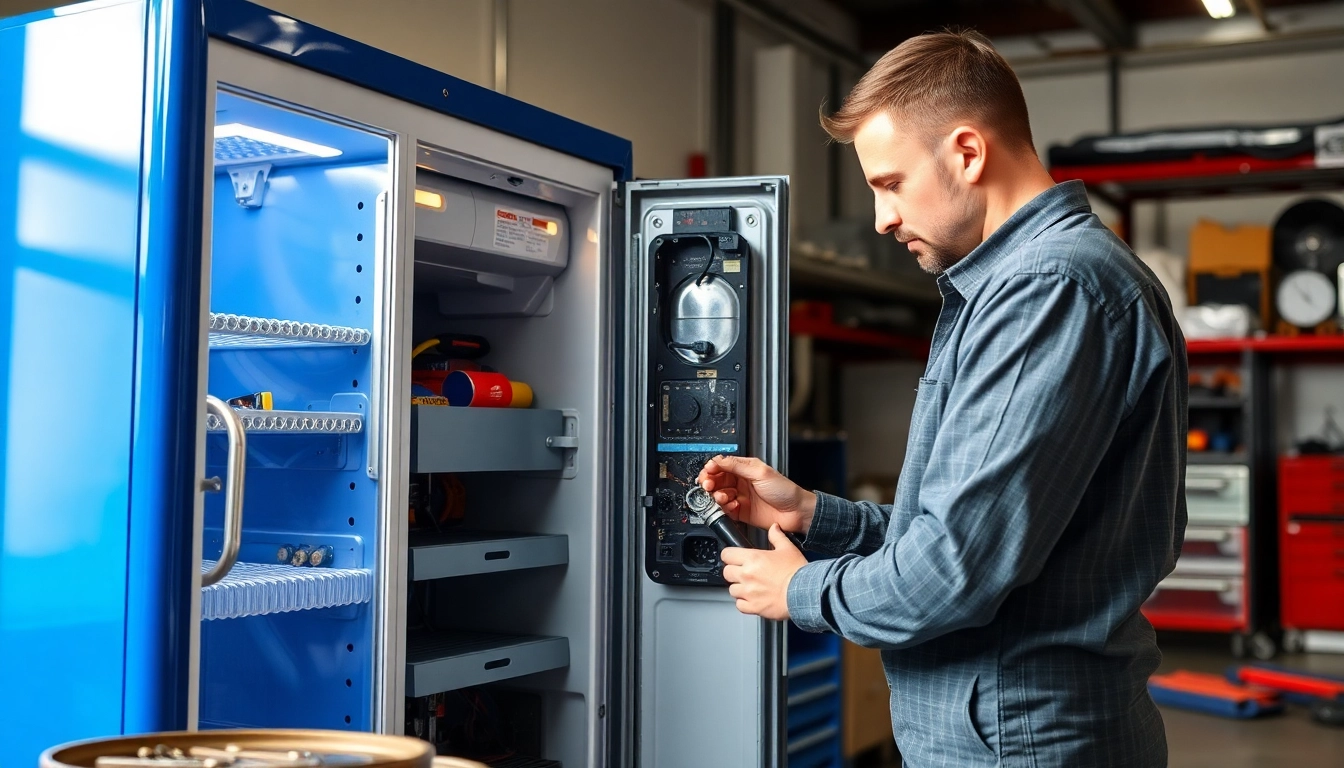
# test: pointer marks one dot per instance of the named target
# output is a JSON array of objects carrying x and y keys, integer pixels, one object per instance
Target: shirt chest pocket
[{"x": 927, "y": 415}]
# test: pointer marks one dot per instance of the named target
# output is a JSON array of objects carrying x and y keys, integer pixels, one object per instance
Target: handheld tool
[{"x": 702, "y": 504}]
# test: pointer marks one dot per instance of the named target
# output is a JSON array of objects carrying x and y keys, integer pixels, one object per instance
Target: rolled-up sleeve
[
  {"x": 841, "y": 527},
  {"x": 1039, "y": 392}
]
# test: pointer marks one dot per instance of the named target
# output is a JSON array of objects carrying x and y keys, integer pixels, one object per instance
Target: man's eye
[{"x": 893, "y": 186}]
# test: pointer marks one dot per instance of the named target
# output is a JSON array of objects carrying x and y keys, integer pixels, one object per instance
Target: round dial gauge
[{"x": 1306, "y": 298}]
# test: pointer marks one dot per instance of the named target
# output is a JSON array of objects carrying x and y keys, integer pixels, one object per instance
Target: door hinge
[{"x": 568, "y": 442}]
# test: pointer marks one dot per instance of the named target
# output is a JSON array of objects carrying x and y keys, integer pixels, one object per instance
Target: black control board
[{"x": 699, "y": 353}]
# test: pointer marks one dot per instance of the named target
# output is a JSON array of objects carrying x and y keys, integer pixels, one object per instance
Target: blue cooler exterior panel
[
  {"x": 102, "y": 115},
  {"x": 96, "y": 302}
]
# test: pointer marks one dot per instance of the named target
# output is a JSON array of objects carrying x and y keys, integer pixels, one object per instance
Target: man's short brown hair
[{"x": 938, "y": 79}]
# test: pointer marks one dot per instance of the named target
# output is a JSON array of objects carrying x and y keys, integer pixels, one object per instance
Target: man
[{"x": 1042, "y": 496}]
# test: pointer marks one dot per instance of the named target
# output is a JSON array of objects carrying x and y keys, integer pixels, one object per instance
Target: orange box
[{"x": 1231, "y": 262}]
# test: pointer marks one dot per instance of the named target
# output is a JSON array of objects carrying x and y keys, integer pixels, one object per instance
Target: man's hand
[
  {"x": 755, "y": 493},
  {"x": 759, "y": 578}
]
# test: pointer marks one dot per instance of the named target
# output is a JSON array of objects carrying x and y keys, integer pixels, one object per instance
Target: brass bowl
[{"x": 385, "y": 751}]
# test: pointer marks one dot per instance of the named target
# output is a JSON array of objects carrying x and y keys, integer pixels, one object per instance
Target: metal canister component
[
  {"x": 285, "y": 553},
  {"x": 320, "y": 557}
]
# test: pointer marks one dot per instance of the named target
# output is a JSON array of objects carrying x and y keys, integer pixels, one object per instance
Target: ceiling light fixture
[
  {"x": 240, "y": 131},
  {"x": 1220, "y": 9}
]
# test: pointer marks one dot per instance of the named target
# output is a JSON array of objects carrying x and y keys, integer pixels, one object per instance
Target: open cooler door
[
  {"x": 293, "y": 409},
  {"x": 100, "y": 135},
  {"x": 706, "y": 336}
]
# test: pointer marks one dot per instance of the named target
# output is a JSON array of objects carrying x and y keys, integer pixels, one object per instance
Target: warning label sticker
[{"x": 523, "y": 234}]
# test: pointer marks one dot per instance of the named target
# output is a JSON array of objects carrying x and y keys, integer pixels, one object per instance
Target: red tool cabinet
[{"x": 1311, "y": 542}]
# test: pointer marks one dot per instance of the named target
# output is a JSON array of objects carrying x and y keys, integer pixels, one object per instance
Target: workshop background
[{"x": 733, "y": 87}]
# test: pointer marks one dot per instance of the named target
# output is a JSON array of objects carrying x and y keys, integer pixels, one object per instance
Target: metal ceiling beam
[
  {"x": 1103, "y": 19},
  {"x": 765, "y": 13},
  {"x": 1258, "y": 9}
]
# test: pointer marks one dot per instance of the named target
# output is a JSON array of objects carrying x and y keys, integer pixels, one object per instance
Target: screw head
[
  {"x": 657, "y": 223},
  {"x": 660, "y": 366},
  {"x": 445, "y": 93},
  {"x": 737, "y": 367},
  {"x": 751, "y": 221},
  {"x": 656, "y": 574}
]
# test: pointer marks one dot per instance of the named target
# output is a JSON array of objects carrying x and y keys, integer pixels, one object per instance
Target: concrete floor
[
  {"x": 1194, "y": 740},
  {"x": 1290, "y": 739}
]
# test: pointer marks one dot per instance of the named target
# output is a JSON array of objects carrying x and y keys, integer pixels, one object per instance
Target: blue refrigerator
[{"x": 245, "y": 263}]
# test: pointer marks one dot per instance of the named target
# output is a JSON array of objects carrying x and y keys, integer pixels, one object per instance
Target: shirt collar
[{"x": 1023, "y": 226}]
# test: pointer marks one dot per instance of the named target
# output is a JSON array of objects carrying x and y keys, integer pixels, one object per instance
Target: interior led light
[
  {"x": 552, "y": 228},
  {"x": 1220, "y": 9},
  {"x": 238, "y": 130},
  {"x": 427, "y": 199}
]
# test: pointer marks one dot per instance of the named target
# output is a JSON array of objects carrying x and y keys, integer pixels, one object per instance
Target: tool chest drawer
[
  {"x": 1311, "y": 485},
  {"x": 1311, "y": 578},
  {"x": 1311, "y": 540},
  {"x": 1313, "y": 601},
  {"x": 1212, "y": 551},
  {"x": 1218, "y": 494},
  {"x": 1198, "y": 603}
]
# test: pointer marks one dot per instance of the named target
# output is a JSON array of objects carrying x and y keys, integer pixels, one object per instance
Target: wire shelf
[
  {"x": 292, "y": 422},
  {"x": 256, "y": 589},
  {"x": 228, "y": 331}
]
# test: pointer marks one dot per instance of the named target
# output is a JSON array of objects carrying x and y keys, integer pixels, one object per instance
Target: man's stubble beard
[{"x": 960, "y": 235}]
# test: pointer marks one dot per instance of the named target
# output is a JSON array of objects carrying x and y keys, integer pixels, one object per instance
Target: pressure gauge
[{"x": 1306, "y": 298}]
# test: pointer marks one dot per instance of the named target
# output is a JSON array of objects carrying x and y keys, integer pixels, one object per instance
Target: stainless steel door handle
[{"x": 236, "y": 468}]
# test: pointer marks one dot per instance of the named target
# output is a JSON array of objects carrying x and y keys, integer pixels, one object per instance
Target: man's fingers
[
  {"x": 737, "y": 590},
  {"x": 751, "y": 469},
  {"x": 778, "y": 539},
  {"x": 734, "y": 556},
  {"x": 732, "y": 573},
  {"x": 744, "y": 607},
  {"x": 725, "y": 495}
]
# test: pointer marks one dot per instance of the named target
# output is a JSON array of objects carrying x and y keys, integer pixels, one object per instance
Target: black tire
[
  {"x": 1328, "y": 712},
  {"x": 1293, "y": 642},
  {"x": 1263, "y": 646}
]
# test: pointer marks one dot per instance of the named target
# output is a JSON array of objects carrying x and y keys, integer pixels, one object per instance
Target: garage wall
[{"x": 635, "y": 68}]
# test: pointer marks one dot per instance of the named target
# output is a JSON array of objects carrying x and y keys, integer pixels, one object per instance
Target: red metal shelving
[
  {"x": 1268, "y": 344},
  {"x": 815, "y": 319}
]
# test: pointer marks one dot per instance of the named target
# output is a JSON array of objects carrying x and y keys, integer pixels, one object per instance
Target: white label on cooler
[{"x": 523, "y": 234}]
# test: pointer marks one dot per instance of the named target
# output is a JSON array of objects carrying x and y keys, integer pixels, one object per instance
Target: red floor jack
[
  {"x": 1322, "y": 693},
  {"x": 1213, "y": 695}
]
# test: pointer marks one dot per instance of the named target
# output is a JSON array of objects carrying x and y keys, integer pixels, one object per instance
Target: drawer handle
[
  {"x": 502, "y": 554},
  {"x": 1195, "y": 585},
  {"x": 498, "y": 663},
  {"x": 1206, "y": 485}
]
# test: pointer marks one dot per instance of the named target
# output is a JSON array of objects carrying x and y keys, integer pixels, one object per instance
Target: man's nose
[{"x": 886, "y": 219}]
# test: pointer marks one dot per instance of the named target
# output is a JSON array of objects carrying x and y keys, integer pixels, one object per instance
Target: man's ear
[{"x": 969, "y": 150}]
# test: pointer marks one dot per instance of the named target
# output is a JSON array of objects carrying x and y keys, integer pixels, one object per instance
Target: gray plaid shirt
[{"x": 1041, "y": 500}]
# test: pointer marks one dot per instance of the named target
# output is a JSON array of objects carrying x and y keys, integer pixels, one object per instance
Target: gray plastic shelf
[
  {"x": 447, "y": 661},
  {"x": 464, "y": 553},
  {"x": 448, "y": 439}
]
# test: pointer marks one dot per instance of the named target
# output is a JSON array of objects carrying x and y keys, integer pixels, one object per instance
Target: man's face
[{"x": 919, "y": 192}]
